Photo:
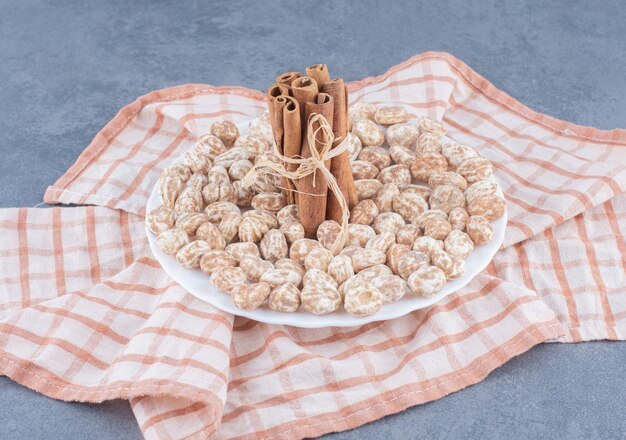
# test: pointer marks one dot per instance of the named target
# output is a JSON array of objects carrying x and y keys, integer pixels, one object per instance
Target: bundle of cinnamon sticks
[{"x": 291, "y": 100}]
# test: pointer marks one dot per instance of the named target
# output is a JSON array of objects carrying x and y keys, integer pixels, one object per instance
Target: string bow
[{"x": 308, "y": 166}]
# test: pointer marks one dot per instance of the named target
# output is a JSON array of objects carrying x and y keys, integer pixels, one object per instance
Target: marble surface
[{"x": 66, "y": 67}]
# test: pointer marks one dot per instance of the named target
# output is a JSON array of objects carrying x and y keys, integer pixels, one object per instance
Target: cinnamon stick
[
  {"x": 276, "y": 121},
  {"x": 276, "y": 90},
  {"x": 340, "y": 165},
  {"x": 304, "y": 89},
  {"x": 287, "y": 77},
  {"x": 312, "y": 197},
  {"x": 353, "y": 197},
  {"x": 278, "y": 129},
  {"x": 292, "y": 140},
  {"x": 319, "y": 72}
]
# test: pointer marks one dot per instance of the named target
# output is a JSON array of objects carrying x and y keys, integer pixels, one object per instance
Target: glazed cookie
[
  {"x": 427, "y": 281},
  {"x": 458, "y": 243},
  {"x": 363, "y": 299}
]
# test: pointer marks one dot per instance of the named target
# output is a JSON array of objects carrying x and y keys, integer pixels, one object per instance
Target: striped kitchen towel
[{"x": 87, "y": 314}]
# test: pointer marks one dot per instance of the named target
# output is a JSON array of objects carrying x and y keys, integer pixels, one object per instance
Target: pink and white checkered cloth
[{"x": 87, "y": 314}]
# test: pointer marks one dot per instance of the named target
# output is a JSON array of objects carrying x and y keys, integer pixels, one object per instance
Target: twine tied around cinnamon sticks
[{"x": 308, "y": 166}]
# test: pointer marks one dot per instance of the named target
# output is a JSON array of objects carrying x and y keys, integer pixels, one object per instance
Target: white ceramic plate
[{"x": 197, "y": 283}]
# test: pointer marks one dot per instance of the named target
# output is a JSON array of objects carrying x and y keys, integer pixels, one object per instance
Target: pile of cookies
[{"x": 423, "y": 207}]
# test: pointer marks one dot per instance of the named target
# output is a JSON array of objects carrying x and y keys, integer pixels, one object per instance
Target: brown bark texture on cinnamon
[
  {"x": 292, "y": 141},
  {"x": 313, "y": 188},
  {"x": 340, "y": 165},
  {"x": 287, "y": 77},
  {"x": 272, "y": 93},
  {"x": 278, "y": 129},
  {"x": 319, "y": 72},
  {"x": 304, "y": 89}
]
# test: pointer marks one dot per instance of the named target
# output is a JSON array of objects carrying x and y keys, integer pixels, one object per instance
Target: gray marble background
[{"x": 66, "y": 67}]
